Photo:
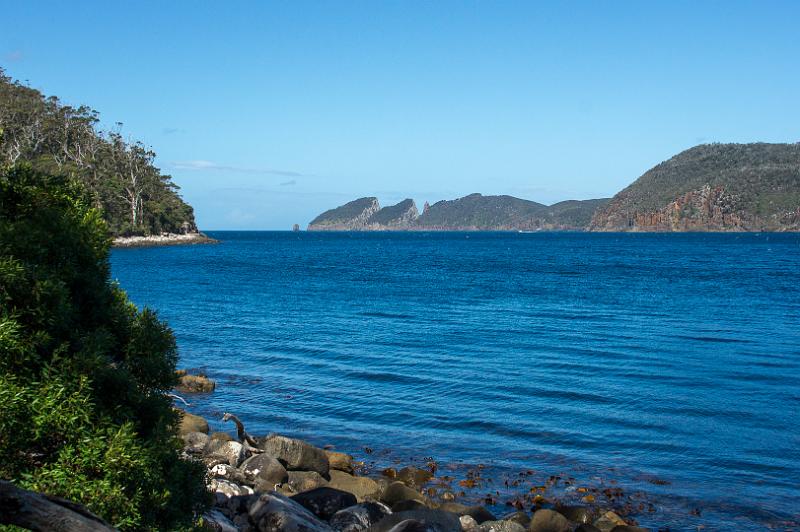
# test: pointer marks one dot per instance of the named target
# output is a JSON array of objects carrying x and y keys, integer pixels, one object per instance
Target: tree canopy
[{"x": 135, "y": 197}]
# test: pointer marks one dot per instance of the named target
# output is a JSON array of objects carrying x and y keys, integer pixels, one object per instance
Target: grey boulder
[
  {"x": 300, "y": 481},
  {"x": 360, "y": 517},
  {"x": 216, "y": 521},
  {"x": 195, "y": 442},
  {"x": 324, "y": 502},
  {"x": 549, "y": 521},
  {"x": 362, "y": 487},
  {"x": 273, "y": 512},
  {"x": 295, "y": 454},
  {"x": 430, "y": 520},
  {"x": 501, "y": 526},
  {"x": 264, "y": 471}
]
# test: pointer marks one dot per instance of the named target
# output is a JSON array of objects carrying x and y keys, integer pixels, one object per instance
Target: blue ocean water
[{"x": 666, "y": 365}]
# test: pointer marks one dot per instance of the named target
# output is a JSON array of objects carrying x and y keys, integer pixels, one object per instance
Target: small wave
[
  {"x": 711, "y": 339},
  {"x": 387, "y": 315}
]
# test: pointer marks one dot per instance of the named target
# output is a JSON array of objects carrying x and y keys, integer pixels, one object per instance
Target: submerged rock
[
  {"x": 296, "y": 454},
  {"x": 360, "y": 517},
  {"x": 195, "y": 384},
  {"x": 324, "y": 502},
  {"x": 413, "y": 477}
]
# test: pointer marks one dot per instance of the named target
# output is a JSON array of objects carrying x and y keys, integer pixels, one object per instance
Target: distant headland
[{"x": 711, "y": 187}]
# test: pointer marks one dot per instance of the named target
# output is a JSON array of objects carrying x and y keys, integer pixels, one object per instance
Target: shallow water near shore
[{"x": 667, "y": 365}]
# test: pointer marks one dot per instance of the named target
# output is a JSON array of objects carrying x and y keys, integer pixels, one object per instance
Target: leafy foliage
[
  {"x": 82, "y": 371},
  {"x": 135, "y": 197}
]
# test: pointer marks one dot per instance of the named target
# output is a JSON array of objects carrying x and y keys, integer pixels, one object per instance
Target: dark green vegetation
[
  {"x": 134, "y": 196},
  {"x": 83, "y": 373},
  {"x": 473, "y": 212},
  {"x": 752, "y": 187},
  {"x": 712, "y": 187},
  {"x": 507, "y": 213}
]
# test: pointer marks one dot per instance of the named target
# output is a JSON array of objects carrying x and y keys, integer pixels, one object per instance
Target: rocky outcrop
[
  {"x": 194, "y": 383},
  {"x": 474, "y": 212},
  {"x": 396, "y": 217},
  {"x": 259, "y": 494},
  {"x": 717, "y": 187},
  {"x": 352, "y": 216},
  {"x": 164, "y": 239},
  {"x": 366, "y": 214},
  {"x": 295, "y": 454},
  {"x": 705, "y": 209}
]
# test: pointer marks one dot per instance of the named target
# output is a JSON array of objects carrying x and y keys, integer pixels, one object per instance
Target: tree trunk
[{"x": 35, "y": 511}]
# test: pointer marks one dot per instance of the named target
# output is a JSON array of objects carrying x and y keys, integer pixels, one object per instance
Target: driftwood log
[
  {"x": 35, "y": 511},
  {"x": 247, "y": 441}
]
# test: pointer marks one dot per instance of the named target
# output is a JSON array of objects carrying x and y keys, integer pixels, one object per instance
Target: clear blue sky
[{"x": 268, "y": 113}]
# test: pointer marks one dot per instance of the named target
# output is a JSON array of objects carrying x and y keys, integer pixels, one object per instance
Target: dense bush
[{"x": 83, "y": 373}]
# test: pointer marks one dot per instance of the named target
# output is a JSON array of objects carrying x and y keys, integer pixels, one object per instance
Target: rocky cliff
[
  {"x": 352, "y": 216},
  {"x": 715, "y": 187},
  {"x": 400, "y": 216},
  {"x": 470, "y": 213}
]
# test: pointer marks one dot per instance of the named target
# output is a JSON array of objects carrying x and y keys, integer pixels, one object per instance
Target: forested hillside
[
  {"x": 134, "y": 196},
  {"x": 475, "y": 212},
  {"x": 712, "y": 187}
]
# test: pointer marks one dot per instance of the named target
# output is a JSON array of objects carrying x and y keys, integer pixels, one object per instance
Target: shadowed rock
[
  {"x": 360, "y": 517},
  {"x": 324, "y": 502},
  {"x": 549, "y": 521},
  {"x": 273, "y": 512},
  {"x": 429, "y": 520}
]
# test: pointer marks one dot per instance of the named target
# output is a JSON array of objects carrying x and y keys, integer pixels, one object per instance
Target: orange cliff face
[{"x": 706, "y": 209}]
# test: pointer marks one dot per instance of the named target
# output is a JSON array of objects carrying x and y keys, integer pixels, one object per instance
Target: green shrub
[{"x": 82, "y": 371}]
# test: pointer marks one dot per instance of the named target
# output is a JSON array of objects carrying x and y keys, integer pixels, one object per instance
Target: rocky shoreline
[
  {"x": 164, "y": 239},
  {"x": 276, "y": 483}
]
